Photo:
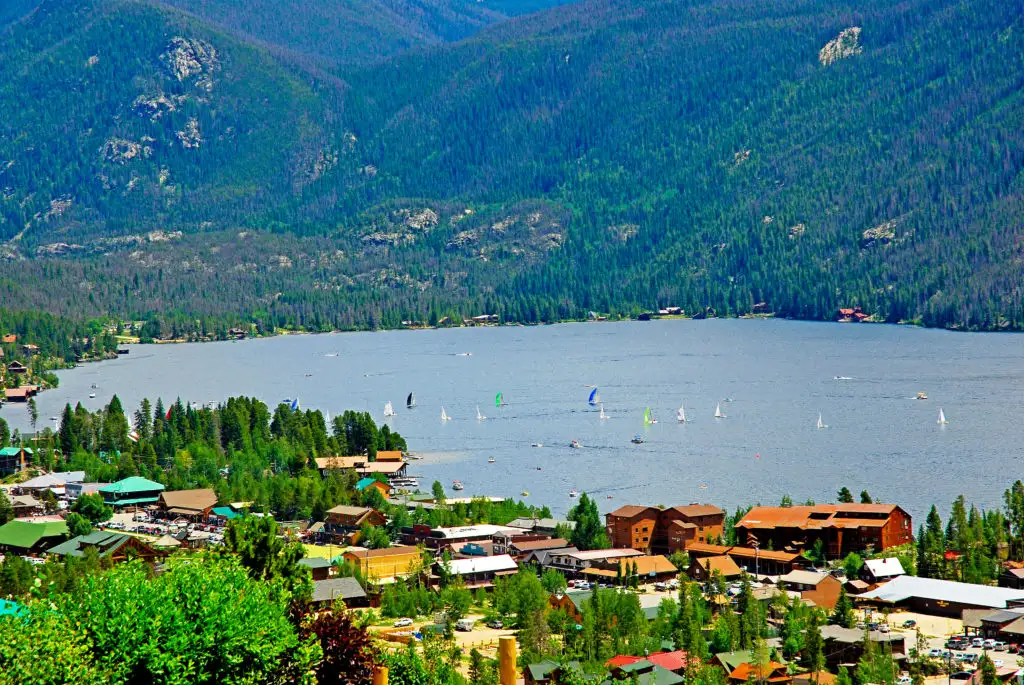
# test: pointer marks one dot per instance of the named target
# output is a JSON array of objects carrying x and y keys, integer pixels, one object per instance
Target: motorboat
[
  {"x": 537, "y": 444},
  {"x": 525, "y": 493},
  {"x": 457, "y": 485},
  {"x": 922, "y": 395},
  {"x": 92, "y": 396},
  {"x": 637, "y": 439},
  {"x": 491, "y": 460},
  {"x": 575, "y": 444},
  {"x": 573, "y": 493},
  {"x": 820, "y": 424}
]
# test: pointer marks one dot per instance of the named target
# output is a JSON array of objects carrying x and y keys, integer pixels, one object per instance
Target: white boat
[
  {"x": 537, "y": 444},
  {"x": 491, "y": 460},
  {"x": 842, "y": 378},
  {"x": 573, "y": 493},
  {"x": 681, "y": 414},
  {"x": 444, "y": 416},
  {"x": 92, "y": 396},
  {"x": 389, "y": 410},
  {"x": 820, "y": 424},
  {"x": 603, "y": 415},
  {"x": 457, "y": 485},
  {"x": 575, "y": 444},
  {"x": 637, "y": 439},
  {"x": 942, "y": 418},
  {"x": 479, "y": 416},
  {"x": 718, "y": 412}
]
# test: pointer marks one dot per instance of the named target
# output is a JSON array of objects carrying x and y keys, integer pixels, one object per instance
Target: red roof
[
  {"x": 699, "y": 510},
  {"x": 673, "y": 661},
  {"x": 622, "y": 660},
  {"x": 632, "y": 510}
]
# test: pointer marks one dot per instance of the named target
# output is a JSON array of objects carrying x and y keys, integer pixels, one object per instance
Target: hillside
[{"x": 726, "y": 156}]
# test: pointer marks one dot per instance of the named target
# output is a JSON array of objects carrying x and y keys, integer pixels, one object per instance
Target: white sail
[
  {"x": 603, "y": 415},
  {"x": 942, "y": 417},
  {"x": 681, "y": 414},
  {"x": 389, "y": 410},
  {"x": 479, "y": 416},
  {"x": 718, "y": 412},
  {"x": 820, "y": 424},
  {"x": 444, "y": 415}
]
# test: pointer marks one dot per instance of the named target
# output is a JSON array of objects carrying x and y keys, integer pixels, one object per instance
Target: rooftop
[
  {"x": 25, "y": 534},
  {"x": 132, "y": 485},
  {"x": 818, "y": 516},
  {"x": 699, "y": 510},
  {"x": 552, "y": 543},
  {"x": 337, "y": 588},
  {"x": 42, "y": 482},
  {"x": 884, "y": 568},
  {"x": 363, "y": 553},
  {"x": 482, "y": 530},
  {"x": 195, "y": 500},
  {"x": 104, "y": 542},
  {"x": 502, "y": 562},
  {"x": 723, "y": 564},
  {"x": 799, "y": 577},
  {"x": 630, "y": 510},
  {"x": 597, "y": 554},
  {"x": 905, "y": 587}
]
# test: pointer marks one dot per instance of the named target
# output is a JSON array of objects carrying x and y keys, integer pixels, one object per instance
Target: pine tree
[{"x": 845, "y": 496}]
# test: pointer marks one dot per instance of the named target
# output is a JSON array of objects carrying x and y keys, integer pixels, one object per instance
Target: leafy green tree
[
  {"x": 78, "y": 524},
  {"x": 374, "y": 537},
  {"x": 93, "y": 508},
  {"x": 843, "y": 613},
  {"x": 988, "y": 670},
  {"x": 843, "y": 677},
  {"x": 438, "y": 492},
  {"x": 5, "y": 434},
  {"x": 265, "y": 554},
  {"x": 6, "y": 510},
  {"x": 553, "y": 581},
  {"x": 589, "y": 532},
  {"x": 813, "y": 655},
  {"x": 46, "y": 649},
  {"x": 852, "y": 565},
  {"x": 865, "y": 498},
  {"x": 844, "y": 496}
]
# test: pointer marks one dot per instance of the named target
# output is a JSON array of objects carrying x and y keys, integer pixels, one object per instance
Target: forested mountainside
[
  {"x": 725, "y": 156},
  {"x": 356, "y": 31}
]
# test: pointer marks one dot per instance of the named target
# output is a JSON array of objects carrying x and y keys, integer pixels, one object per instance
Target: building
[
  {"x": 373, "y": 483},
  {"x": 881, "y": 570},
  {"x": 194, "y": 504},
  {"x": 25, "y": 505},
  {"x": 17, "y": 367},
  {"x": 541, "y": 558},
  {"x": 319, "y": 568},
  {"x": 542, "y": 526},
  {"x": 348, "y": 590},
  {"x": 384, "y": 564},
  {"x": 548, "y": 672},
  {"x": 643, "y": 671},
  {"x": 648, "y": 569},
  {"x": 1012, "y": 578},
  {"x": 29, "y": 537},
  {"x": 938, "y": 597},
  {"x": 821, "y": 588},
  {"x": 664, "y": 531},
  {"x": 573, "y": 563},
  {"x": 676, "y": 661},
  {"x": 520, "y": 549},
  {"x": 842, "y": 528},
  {"x": 41, "y": 484},
  {"x": 14, "y": 459},
  {"x": 480, "y": 571},
  {"x": 846, "y": 645},
  {"x": 436, "y": 538},
  {"x": 759, "y": 562},
  {"x": 703, "y": 569},
  {"x": 389, "y": 455},
  {"x": 75, "y": 490},
  {"x": 343, "y": 522},
  {"x": 132, "y": 491},
  {"x": 773, "y": 672},
  {"x": 116, "y": 547}
]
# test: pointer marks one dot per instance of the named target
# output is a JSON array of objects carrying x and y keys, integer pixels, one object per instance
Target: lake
[{"x": 779, "y": 375}]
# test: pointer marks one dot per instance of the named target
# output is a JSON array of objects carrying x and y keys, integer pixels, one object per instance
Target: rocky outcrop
[
  {"x": 462, "y": 240},
  {"x": 625, "y": 232},
  {"x": 882, "y": 234},
  {"x": 188, "y": 57},
  {"x": 190, "y": 137},
  {"x": 796, "y": 231},
  {"x": 155, "y": 106},
  {"x": 120, "y": 150},
  {"x": 846, "y": 44},
  {"x": 420, "y": 219}
]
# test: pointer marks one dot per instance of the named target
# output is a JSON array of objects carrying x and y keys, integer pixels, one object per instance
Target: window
[{"x": 645, "y": 540}]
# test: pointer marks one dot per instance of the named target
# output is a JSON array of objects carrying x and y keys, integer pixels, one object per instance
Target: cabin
[
  {"x": 821, "y": 588},
  {"x": 704, "y": 568},
  {"x": 478, "y": 572},
  {"x": 132, "y": 492},
  {"x": 193, "y": 504},
  {"x": 436, "y": 538},
  {"x": 846, "y": 645},
  {"x": 14, "y": 459},
  {"x": 385, "y": 564},
  {"x": 327, "y": 592},
  {"x": 31, "y": 537},
  {"x": 881, "y": 570},
  {"x": 574, "y": 563},
  {"x": 373, "y": 484},
  {"x": 343, "y": 521},
  {"x": 319, "y": 568},
  {"x": 648, "y": 569},
  {"x": 17, "y": 367},
  {"x": 115, "y": 547}
]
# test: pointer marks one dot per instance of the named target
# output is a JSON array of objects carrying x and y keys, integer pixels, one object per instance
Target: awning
[{"x": 184, "y": 512}]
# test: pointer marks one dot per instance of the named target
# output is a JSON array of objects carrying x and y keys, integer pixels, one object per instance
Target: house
[
  {"x": 327, "y": 464},
  {"x": 19, "y": 394},
  {"x": 938, "y": 597},
  {"x": 384, "y": 564},
  {"x": 573, "y": 563},
  {"x": 751, "y": 559},
  {"x": 343, "y": 521},
  {"x": 194, "y": 504},
  {"x": 373, "y": 483},
  {"x": 41, "y": 484},
  {"x": 389, "y": 455},
  {"x": 548, "y": 672},
  {"x": 814, "y": 678},
  {"x": 881, "y": 570},
  {"x": 480, "y": 571},
  {"x": 841, "y": 528},
  {"x": 224, "y": 514},
  {"x": 25, "y": 505},
  {"x": 648, "y": 568},
  {"x": 131, "y": 491},
  {"x": 676, "y": 661},
  {"x": 116, "y": 547},
  {"x": 542, "y": 526},
  {"x": 326, "y": 592},
  {"x": 319, "y": 568},
  {"x": 436, "y": 538},
  {"x": 14, "y": 459},
  {"x": 773, "y": 672},
  {"x": 9, "y": 338},
  {"x": 75, "y": 490},
  {"x": 663, "y": 531},
  {"x": 520, "y": 549},
  {"x": 29, "y": 537},
  {"x": 69, "y": 477},
  {"x": 17, "y": 367},
  {"x": 821, "y": 588},
  {"x": 391, "y": 469},
  {"x": 30, "y": 349},
  {"x": 1012, "y": 578},
  {"x": 704, "y": 568},
  {"x": 846, "y": 645},
  {"x": 643, "y": 671}
]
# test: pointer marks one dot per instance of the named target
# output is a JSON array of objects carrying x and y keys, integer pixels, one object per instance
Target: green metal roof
[
  {"x": 135, "y": 500},
  {"x": 541, "y": 670},
  {"x": 25, "y": 534},
  {"x": 315, "y": 562},
  {"x": 226, "y": 512},
  {"x": 657, "y": 675},
  {"x": 103, "y": 541},
  {"x": 8, "y": 608},
  {"x": 14, "y": 451},
  {"x": 132, "y": 485}
]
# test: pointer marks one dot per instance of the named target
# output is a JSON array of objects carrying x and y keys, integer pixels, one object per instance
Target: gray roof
[
  {"x": 852, "y": 636},
  {"x": 315, "y": 562},
  {"x": 904, "y": 587},
  {"x": 803, "y": 577},
  {"x": 70, "y": 476},
  {"x": 530, "y": 524},
  {"x": 541, "y": 556},
  {"x": 337, "y": 588},
  {"x": 1003, "y": 616}
]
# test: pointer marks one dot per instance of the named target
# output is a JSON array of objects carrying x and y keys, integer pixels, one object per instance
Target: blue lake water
[{"x": 779, "y": 375}]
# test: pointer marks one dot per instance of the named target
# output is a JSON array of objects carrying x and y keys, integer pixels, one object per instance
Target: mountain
[{"x": 725, "y": 156}]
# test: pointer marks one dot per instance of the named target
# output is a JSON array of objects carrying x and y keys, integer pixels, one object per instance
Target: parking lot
[{"x": 144, "y": 526}]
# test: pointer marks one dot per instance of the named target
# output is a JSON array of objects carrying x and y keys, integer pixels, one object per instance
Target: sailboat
[
  {"x": 718, "y": 411},
  {"x": 603, "y": 415},
  {"x": 389, "y": 410},
  {"x": 681, "y": 414},
  {"x": 942, "y": 418},
  {"x": 479, "y": 416},
  {"x": 410, "y": 401},
  {"x": 647, "y": 417},
  {"x": 595, "y": 399},
  {"x": 498, "y": 401},
  {"x": 444, "y": 416},
  {"x": 820, "y": 424}
]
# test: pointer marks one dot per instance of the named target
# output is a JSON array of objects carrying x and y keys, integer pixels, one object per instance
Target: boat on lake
[
  {"x": 718, "y": 411},
  {"x": 575, "y": 444},
  {"x": 479, "y": 416},
  {"x": 637, "y": 439},
  {"x": 525, "y": 493},
  {"x": 491, "y": 460},
  {"x": 594, "y": 399},
  {"x": 498, "y": 400},
  {"x": 457, "y": 485},
  {"x": 820, "y": 424},
  {"x": 922, "y": 395},
  {"x": 410, "y": 401},
  {"x": 842, "y": 378},
  {"x": 444, "y": 416},
  {"x": 681, "y": 414},
  {"x": 573, "y": 493},
  {"x": 603, "y": 415},
  {"x": 389, "y": 410},
  {"x": 942, "y": 418},
  {"x": 92, "y": 396}
]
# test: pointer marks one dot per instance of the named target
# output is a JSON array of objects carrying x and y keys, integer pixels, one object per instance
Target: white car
[
  {"x": 904, "y": 680},
  {"x": 403, "y": 623}
]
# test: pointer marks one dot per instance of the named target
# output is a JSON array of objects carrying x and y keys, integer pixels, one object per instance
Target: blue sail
[
  {"x": 295, "y": 404},
  {"x": 593, "y": 398}
]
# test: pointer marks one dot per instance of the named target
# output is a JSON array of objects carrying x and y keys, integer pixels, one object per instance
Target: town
[{"x": 484, "y": 589}]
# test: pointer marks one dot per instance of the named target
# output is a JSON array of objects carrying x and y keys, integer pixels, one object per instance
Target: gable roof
[
  {"x": 632, "y": 510},
  {"x": 883, "y": 568},
  {"x": 502, "y": 562},
  {"x": 367, "y": 482},
  {"x": 901, "y": 588},
  {"x": 748, "y": 672},
  {"x": 194, "y": 500},
  {"x": 346, "y": 510},
  {"x": 818, "y": 516},
  {"x": 105, "y": 543},
  {"x": 315, "y": 562},
  {"x": 389, "y": 455},
  {"x": 132, "y": 484},
  {"x": 363, "y": 553},
  {"x": 47, "y": 480},
  {"x": 70, "y": 476},
  {"x": 533, "y": 545},
  {"x": 801, "y": 577},
  {"x": 339, "y": 462},
  {"x": 699, "y": 510},
  {"x": 648, "y": 565},
  {"x": 26, "y": 534},
  {"x": 337, "y": 588},
  {"x": 723, "y": 564},
  {"x": 225, "y": 512}
]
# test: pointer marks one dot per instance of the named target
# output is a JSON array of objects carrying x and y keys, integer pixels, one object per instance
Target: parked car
[
  {"x": 961, "y": 675},
  {"x": 969, "y": 658},
  {"x": 403, "y": 622},
  {"x": 883, "y": 627},
  {"x": 904, "y": 680},
  {"x": 660, "y": 587},
  {"x": 465, "y": 625},
  {"x": 935, "y": 653},
  {"x": 1012, "y": 648},
  {"x": 910, "y": 623},
  {"x": 988, "y": 644},
  {"x": 998, "y": 663},
  {"x": 582, "y": 585},
  {"x": 496, "y": 624},
  {"x": 999, "y": 646},
  {"x": 977, "y": 642}
]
